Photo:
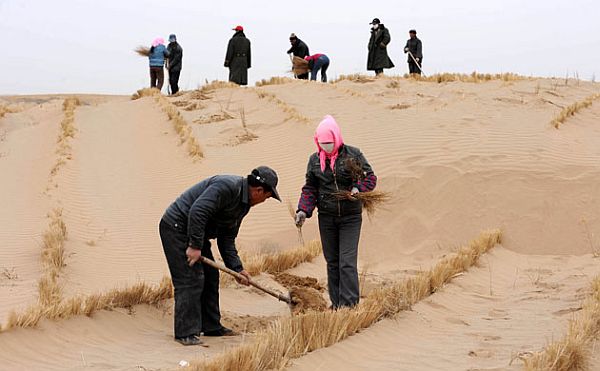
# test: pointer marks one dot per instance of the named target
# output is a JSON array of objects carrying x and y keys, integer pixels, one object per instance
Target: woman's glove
[
  {"x": 300, "y": 218},
  {"x": 354, "y": 191}
]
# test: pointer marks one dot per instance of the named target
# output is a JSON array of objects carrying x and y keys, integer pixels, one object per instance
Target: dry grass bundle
[
  {"x": 299, "y": 66},
  {"x": 143, "y": 51},
  {"x": 275, "y": 80},
  {"x": 573, "y": 351},
  {"x": 400, "y": 106},
  {"x": 182, "y": 127},
  {"x": 8, "y": 109},
  {"x": 572, "y": 109},
  {"x": 209, "y": 87},
  {"x": 53, "y": 259},
  {"x": 295, "y": 336},
  {"x": 278, "y": 262},
  {"x": 357, "y": 77},
  {"x": 474, "y": 77},
  {"x": 67, "y": 131},
  {"x": 292, "y": 113},
  {"x": 371, "y": 200},
  {"x": 145, "y": 92},
  {"x": 292, "y": 212}
]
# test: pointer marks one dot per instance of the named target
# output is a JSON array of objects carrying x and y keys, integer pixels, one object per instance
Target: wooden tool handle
[{"x": 235, "y": 274}]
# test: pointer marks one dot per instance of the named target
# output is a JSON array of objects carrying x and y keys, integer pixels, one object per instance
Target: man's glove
[
  {"x": 417, "y": 59},
  {"x": 300, "y": 218},
  {"x": 406, "y": 50}
]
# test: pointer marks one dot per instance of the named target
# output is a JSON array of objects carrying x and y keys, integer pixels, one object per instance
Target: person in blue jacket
[{"x": 158, "y": 53}]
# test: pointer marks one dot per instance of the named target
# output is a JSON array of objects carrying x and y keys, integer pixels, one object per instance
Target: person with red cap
[
  {"x": 336, "y": 167},
  {"x": 238, "y": 58}
]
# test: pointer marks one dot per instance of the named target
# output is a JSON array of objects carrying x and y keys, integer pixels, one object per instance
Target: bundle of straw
[
  {"x": 293, "y": 215},
  {"x": 143, "y": 51},
  {"x": 299, "y": 66},
  {"x": 371, "y": 200}
]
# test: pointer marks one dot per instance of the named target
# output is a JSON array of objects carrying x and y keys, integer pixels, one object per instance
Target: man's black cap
[
  {"x": 268, "y": 177},
  {"x": 375, "y": 21},
  {"x": 413, "y": 31}
]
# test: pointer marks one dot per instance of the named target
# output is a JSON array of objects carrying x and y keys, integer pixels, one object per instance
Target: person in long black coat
[
  {"x": 174, "y": 63},
  {"x": 238, "y": 57},
  {"x": 415, "y": 47},
  {"x": 299, "y": 49},
  {"x": 378, "y": 58}
]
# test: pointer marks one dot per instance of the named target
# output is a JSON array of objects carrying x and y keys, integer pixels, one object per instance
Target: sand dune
[{"x": 457, "y": 157}]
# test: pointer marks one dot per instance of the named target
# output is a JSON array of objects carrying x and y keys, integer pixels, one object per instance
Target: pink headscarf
[
  {"x": 328, "y": 131},
  {"x": 158, "y": 41}
]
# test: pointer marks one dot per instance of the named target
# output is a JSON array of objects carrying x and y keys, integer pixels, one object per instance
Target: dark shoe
[
  {"x": 223, "y": 331},
  {"x": 189, "y": 340}
]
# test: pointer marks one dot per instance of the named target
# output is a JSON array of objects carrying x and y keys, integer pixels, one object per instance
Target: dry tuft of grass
[
  {"x": 292, "y": 212},
  {"x": 291, "y": 112},
  {"x": 572, "y": 109},
  {"x": 143, "y": 51},
  {"x": 474, "y": 77},
  {"x": 357, "y": 77},
  {"x": 210, "y": 87},
  {"x": 8, "y": 109},
  {"x": 572, "y": 352},
  {"x": 400, "y": 106},
  {"x": 145, "y": 92},
  {"x": 67, "y": 131},
  {"x": 295, "y": 336},
  {"x": 53, "y": 259},
  {"x": 275, "y": 80},
  {"x": 278, "y": 262},
  {"x": 371, "y": 200}
]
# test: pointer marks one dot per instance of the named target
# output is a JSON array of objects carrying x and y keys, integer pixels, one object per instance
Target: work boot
[
  {"x": 223, "y": 331},
  {"x": 189, "y": 340}
]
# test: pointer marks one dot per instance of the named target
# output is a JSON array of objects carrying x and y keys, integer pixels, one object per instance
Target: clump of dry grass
[
  {"x": 400, "y": 106},
  {"x": 292, "y": 113},
  {"x": 295, "y": 336},
  {"x": 292, "y": 212},
  {"x": 145, "y": 92},
  {"x": 275, "y": 80},
  {"x": 182, "y": 127},
  {"x": 474, "y": 77},
  {"x": 143, "y": 51},
  {"x": 209, "y": 87},
  {"x": 278, "y": 262},
  {"x": 357, "y": 77},
  {"x": 67, "y": 131},
  {"x": 371, "y": 200},
  {"x": 572, "y": 109},
  {"x": 572, "y": 352},
  {"x": 8, "y": 109},
  {"x": 299, "y": 66},
  {"x": 53, "y": 259}
]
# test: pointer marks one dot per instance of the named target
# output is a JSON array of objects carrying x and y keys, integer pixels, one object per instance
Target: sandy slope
[{"x": 458, "y": 158}]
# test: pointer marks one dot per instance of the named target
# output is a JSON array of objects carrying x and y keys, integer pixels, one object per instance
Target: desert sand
[{"x": 457, "y": 158}]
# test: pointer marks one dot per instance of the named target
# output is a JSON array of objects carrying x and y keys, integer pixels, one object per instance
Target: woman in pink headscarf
[
  {"x": 333, "y": 168},
  {"x": 158, "y": 53}
]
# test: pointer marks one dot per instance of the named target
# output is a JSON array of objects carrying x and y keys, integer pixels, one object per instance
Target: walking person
[
  {"x": 238, "y": 57},
  {"x": 158, "y": 53},
  {"x": 378, "y": 58},
  {"x": 414, "y": 46},
  {"x": 318, "y": 62},
  {"x": 174, "y": 63},
  {"x": 336, "y": 167},
  {"x": 299, "y": 49},
  {"x": 211, "y": 209}
]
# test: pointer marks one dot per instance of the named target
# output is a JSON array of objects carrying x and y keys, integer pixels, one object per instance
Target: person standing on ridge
[
  {"x": 299, "y": 49},
  {"x": 158, "y": 53},
  {"x": 238, "y": 58},
  {"x": 378, "y": 58},
  {"x": 414, "y": 47},
  {"x": 336, "y": 167},
  {"x": 174, "y": 63}
]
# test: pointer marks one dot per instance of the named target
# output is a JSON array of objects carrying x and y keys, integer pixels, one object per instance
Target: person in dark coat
[
  {"x": 238, "y": 57},
  {"x": 415, "y": 47},
  {"x": 336, "y": 167},
  {"x": 318, "y": 62},
  {"x": 299, "y": 49},
  {"x": 378, "y": 58},
  {"x": 211, "y": 209},
  {"x": 174, "y": 63}
]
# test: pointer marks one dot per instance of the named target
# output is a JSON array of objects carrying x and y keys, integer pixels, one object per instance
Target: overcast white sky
[{"x": 60, "y": 46}]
